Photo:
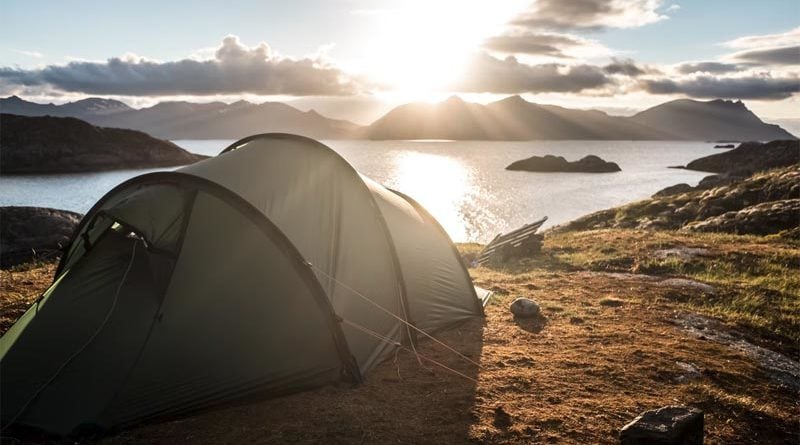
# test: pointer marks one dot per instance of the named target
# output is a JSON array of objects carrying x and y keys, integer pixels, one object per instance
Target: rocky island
[
  {"x": 66, "y": 145},
  {"x": 550, "y": 163}
]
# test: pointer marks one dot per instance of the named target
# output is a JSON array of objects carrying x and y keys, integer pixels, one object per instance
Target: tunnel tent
[{"x": 256, "y": 272}]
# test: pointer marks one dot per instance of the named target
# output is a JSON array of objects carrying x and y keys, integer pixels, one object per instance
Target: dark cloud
[
  {"x": 235, "y": 68},
  {"x": 626, "y": 67},
  {"x": 764, "y": 88},
  {"x": 788, "y": 55},
  {"x": 589, "y": 14},
  {"x": 535, "y": 44},
  {"x": 487, "y": 74},
  {"x": 707, "y": 67}
]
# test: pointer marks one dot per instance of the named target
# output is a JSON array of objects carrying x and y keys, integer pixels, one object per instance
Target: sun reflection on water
[{"x": 443, "y": 185}]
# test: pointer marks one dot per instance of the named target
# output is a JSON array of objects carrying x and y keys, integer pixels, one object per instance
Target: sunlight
[
  {"x": 422, "y": 47},
  {"x": 441, "y": 184}
]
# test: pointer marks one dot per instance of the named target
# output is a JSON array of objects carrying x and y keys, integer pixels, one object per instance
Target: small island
[
  {"x": 550, "y": 163},
  {"x": 724, "y": 146},
  {"x": 47, "y": 144}
]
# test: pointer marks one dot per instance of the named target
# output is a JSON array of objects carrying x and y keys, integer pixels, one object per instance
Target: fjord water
[{"x": 464, "y": 184}]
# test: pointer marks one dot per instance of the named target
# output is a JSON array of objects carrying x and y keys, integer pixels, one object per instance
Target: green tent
[{"x": 271, "y": 268}]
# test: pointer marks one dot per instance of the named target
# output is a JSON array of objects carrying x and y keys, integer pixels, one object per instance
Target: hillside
[
  {"x": 762, "y": 204},
  {"x": 186, "y": 120},
  {"x": 65, "y": 145},
  {"x": 750, "y": 157},
  {"x": 514, "y": 118}
]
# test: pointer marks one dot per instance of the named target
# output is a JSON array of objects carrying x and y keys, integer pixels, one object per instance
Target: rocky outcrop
[
  {"x": 765, "y": 203},
  {"x": 676, "y": 189},
  {"x": 550, "y": 163},
  {"x": 65, "y": 145},
  {"x": 750, "y": 157},
  {"x": 34, "y": 233},
  {"x": 670, "y": 425},
  {"x": 760, "y": 219}
]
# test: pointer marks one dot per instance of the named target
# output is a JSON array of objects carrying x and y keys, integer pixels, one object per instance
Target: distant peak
[
  {"x": 514, "y": 100},
  {"x": 454, "y": 99}
]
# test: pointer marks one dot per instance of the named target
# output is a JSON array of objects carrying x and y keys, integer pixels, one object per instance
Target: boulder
[
  {"x": 669, "y": 425},
  {"x": 550, "y": 163},
  {"x": 524, "y": 308},
  {"x": 34, "y": 233},
  {"x": 676, "y": 189}
]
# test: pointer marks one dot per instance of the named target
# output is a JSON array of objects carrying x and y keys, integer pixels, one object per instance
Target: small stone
[
  {"x": 524, "y": 308},
  {"x": 669, "y": 425}
]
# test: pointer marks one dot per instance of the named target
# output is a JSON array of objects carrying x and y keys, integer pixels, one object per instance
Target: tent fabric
[{"x": 241, "y": 275}]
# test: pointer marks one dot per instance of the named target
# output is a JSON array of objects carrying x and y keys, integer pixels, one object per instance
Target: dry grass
[
  {"x": 604, "y": 350},
  {"x": 20, "y": 287}
]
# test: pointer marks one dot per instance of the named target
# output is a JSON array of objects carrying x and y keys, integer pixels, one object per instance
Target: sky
[{"x": 355, "y": 59}]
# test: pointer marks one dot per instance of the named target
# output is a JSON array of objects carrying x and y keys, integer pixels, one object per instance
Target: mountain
[
  {"x": 514, "y": 118},
  {"x": 186, "y": 120},
  {"x": 713, "y": 120},
  {"x": 511, "y": 118},
  {"x": 64, "y": 144}
]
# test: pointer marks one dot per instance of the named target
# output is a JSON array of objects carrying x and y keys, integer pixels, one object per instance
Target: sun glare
[
  {"x": 441, "y": 184},
  {"x": 421, "y": 48}
]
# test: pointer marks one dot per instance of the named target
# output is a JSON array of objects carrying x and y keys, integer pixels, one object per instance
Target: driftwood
[{"x": 520, "y": 242}]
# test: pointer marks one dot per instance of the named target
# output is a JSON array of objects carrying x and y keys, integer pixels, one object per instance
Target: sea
[{"x": 464, "y": 184}]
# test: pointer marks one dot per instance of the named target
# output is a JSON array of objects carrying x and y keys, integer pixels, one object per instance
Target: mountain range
[{"x": 512, "y": 118}]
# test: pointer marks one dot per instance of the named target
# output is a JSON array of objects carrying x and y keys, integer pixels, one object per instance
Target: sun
[{"x": 420, "y": 49}]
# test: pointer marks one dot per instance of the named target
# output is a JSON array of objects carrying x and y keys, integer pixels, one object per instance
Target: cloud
[
  {"x": 34, "y": 54},
  {"x": 705, "y": 86},
  {"x": 234, "y": 68},
  {"x": 487, "y": 74},
  {"x": 626, "y": 67},
  {"x": 788, "y": 55},
  {"x": 590, "y": 14},
  {"x": 533, "y": 44},
  {"x": 791, "y": 37},
  {"x": 707, "y": 67}
]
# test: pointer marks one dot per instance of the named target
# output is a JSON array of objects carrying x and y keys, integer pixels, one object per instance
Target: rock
[
  {"x": 750, "y": 157},
  {"x": 764, "y": 203},
  {"x": 524, "y": 308},
  {"x": 682, "y": 253},
  {"x": 669, "y": 425},
  {"x": 683, "y": 283},
  {"x": 761, "y": 219},
  {"x": 30, "y": 233},
  {"x": 62, "y": 145},
  {"x": 550, "y": 163},
  {"x": 712, "y": 181},
  {"x": 676, "y": 189},
  {"x": 690, "y": 372}
]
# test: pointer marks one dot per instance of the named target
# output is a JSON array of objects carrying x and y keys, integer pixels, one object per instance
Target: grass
[
  {"x": 757, "y": 278},
  {"x": 605, "y": 348}
]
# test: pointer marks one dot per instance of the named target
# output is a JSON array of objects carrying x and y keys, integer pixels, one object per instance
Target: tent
[{"x": 271, "y": 268}]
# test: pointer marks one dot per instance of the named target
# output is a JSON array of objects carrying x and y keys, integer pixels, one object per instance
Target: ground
[{"x": 631, "y": 321}]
